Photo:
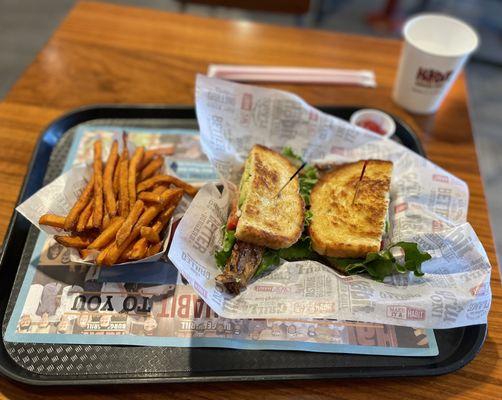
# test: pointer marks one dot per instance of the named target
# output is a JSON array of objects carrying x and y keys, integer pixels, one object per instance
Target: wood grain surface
[{"x": 110, "y": 54}]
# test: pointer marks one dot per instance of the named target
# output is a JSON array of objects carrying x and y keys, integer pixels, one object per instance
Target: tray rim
[{"x": 79, "y": 115}]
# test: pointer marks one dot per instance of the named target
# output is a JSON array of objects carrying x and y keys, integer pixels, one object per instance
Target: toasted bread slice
[
  {"x": 341, "y": 227},
  {"x": 265, "y": 218}
]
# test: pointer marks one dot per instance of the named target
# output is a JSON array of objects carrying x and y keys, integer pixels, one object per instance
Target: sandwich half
[
  {"x": 349, "y": 208},
  {"x": 261, "y": 217},
  {"x": 266, "y": 218}
]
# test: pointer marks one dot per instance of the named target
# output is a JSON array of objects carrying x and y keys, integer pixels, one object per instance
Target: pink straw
[{"x": 293, "y": 75}]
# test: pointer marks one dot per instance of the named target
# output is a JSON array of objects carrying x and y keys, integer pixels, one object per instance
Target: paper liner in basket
[{"x": 428, "y": 206}]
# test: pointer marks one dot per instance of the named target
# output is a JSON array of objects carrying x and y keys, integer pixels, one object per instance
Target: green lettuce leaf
[
  {"x": 308, "y": 175},
  {"x": 301, "y": 250},
  {"x": 308, "y": 178},
  {"x": 413, "y": 257},
  {"x": 289, "y": 153},
  {"x": 381, "y": 264},
  {"x": 222, "y": 255},
  {"x": 270, "y": 258},
  {"x": 308, "y": 218}
]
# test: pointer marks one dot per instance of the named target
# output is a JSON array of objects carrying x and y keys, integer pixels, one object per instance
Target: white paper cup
[{"x": 435, "y": 48}]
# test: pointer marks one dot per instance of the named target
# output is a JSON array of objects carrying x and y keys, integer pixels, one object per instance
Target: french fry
[
  {"x": 164, "y": 218},
  {"x": 155, "y": 180},
  {"x": 123, "y": 188},
  {"x": 150, "y": 234},
  {"x": 171, "y": 196},
  {"x": 56, "y": 221},
  {"x": 149, "y": 215},
  {"x": 113, "y": 189},
  {"x": 159, "y": 189},
  {"x": 84, "y": 253},
  {"x": 106, "y": 220},
  {"x": 107, "y": 235},
  {"x": 97, "y": 215},
  {"x": 170, "y": 199},
  {"x": 72, "y": 217},
  {"x": 84, "y": 217},
  {"x": 154, "y": 249},
  {"x": 149, "y": 197},
  {"x": 126, "y": 255},
  {"x": 155, "y": 153},
  {"x": 110, "y": 167},
  {"x": 158, "y": 225},
  {"x": 116, "y": 174},
  {"x": 139, "y": 249},
  {"x": 116, "y": 250},
  {"x": 167, "y": 179},
  {"x": 100, "y": 259},
  {"x": 89, "y": 224},
  {"x": 150, "y": 169},
  {"x": 166, "y": 215},
  {"x": 129, "y": 222},
  {"x": 116, "y": 182},
  {"x": 78, "y": 242},
  {"x": 168, "y": 196},
  {"x": 154, "y": 195},
  {"x": 149, "y": 156},
  {"x": 133, "y": 170}
]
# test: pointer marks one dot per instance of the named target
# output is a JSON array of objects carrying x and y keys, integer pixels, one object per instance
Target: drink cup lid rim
[{"x": 445, "y": 17}]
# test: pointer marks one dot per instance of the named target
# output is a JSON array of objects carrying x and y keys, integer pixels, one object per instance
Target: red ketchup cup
[{"x": 374, "y": 120}]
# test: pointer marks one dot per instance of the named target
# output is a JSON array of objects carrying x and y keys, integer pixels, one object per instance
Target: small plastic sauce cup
[{"x": 375, "y": 121}]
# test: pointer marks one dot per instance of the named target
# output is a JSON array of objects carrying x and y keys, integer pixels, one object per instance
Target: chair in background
[{"x": 297, "y": 8}]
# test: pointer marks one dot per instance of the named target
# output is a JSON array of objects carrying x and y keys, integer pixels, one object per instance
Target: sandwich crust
[
  {"x": 267, "y": 219},
  {"x": 341, "y": 228}
]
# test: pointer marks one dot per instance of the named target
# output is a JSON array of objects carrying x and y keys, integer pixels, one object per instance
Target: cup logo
[{"x": 431, "y": 78}]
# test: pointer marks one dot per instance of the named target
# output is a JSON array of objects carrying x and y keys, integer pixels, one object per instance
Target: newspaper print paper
[
  {"x": 428, "y": 206},
  {"x": 64, "y": 302}
]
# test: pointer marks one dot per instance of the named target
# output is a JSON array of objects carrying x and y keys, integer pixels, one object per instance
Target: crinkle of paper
[
  {"x": 59, "y": 196},
  {"x": 428, "y": 206}
]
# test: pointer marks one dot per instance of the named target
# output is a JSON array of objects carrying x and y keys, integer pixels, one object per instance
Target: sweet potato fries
[{"x": 123, "y": 209}]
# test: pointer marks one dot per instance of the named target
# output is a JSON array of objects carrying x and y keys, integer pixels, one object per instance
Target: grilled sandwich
[
  {"x": 261, "y": 217},
  {"x": 349, "y": 208},
  {"x": 266, "y": 217}
]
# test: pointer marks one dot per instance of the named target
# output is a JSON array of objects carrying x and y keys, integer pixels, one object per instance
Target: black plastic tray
[{"x": 79, "y": 364}]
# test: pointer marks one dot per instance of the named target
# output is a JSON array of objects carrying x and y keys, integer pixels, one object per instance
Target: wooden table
[{"x": 110, "y": 54}]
